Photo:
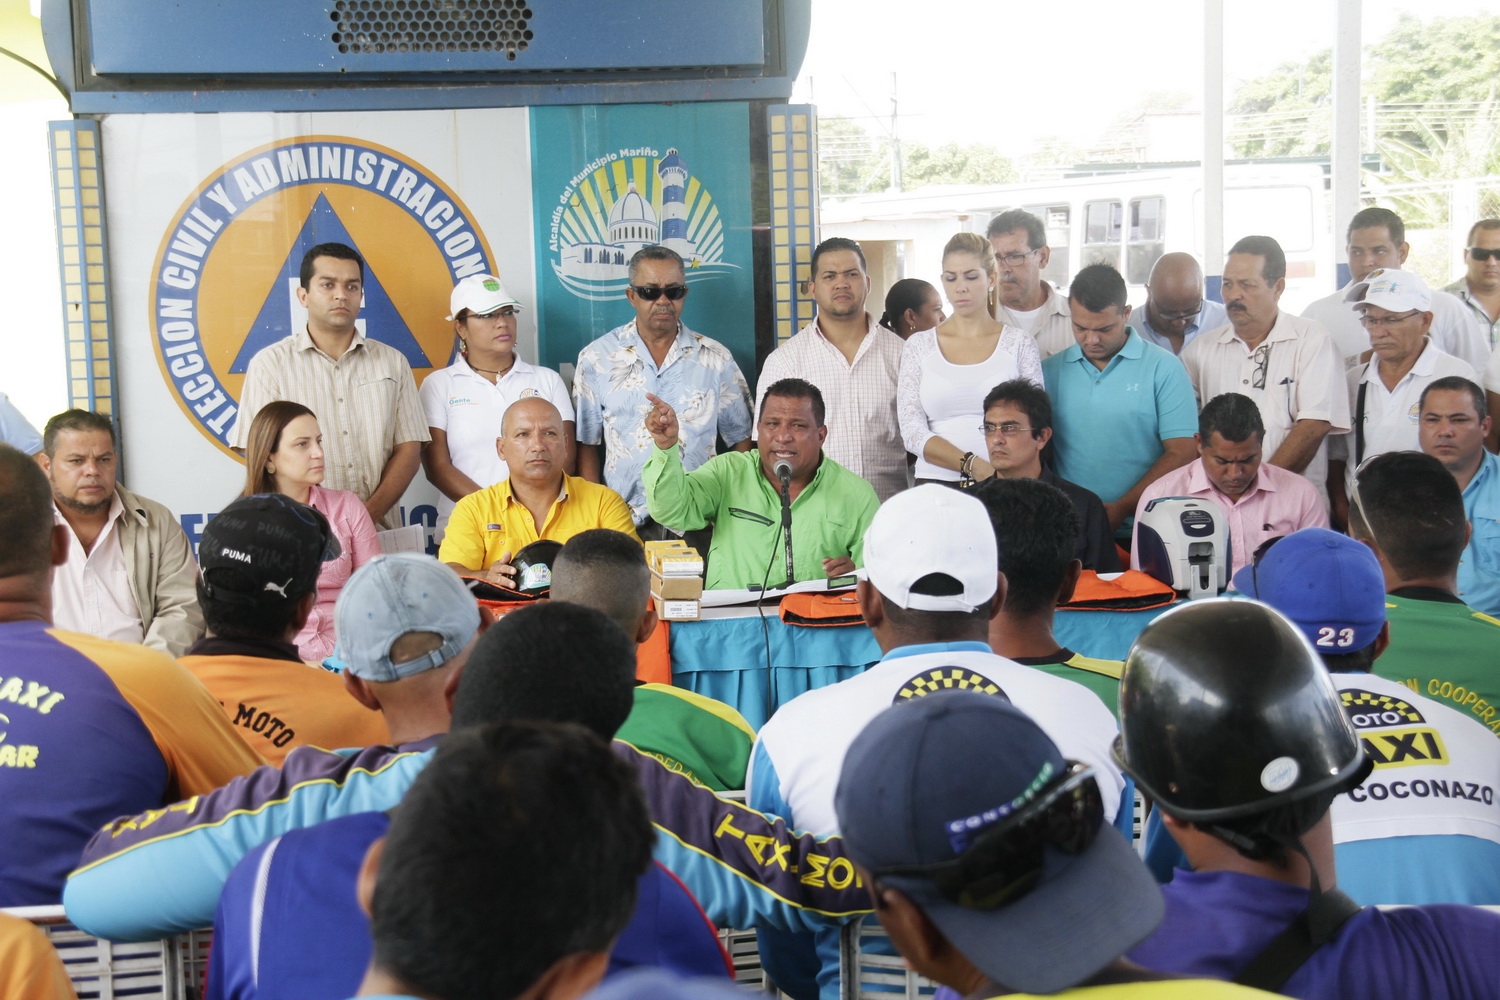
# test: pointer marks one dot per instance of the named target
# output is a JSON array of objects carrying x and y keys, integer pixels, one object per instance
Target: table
[{"x": 724, "y": 655}]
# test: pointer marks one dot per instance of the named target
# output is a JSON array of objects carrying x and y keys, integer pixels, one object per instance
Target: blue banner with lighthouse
[{"x": 609, "y": 180}]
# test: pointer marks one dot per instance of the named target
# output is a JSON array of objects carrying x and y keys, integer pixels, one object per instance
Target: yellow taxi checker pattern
[
  {"x": 947, "y": 679},
  {"x": 1368, "y": 710}
]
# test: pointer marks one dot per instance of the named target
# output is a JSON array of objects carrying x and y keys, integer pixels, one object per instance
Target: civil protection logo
[
  {"x": 625, "y": 201},
  {"x": 225, "y": 277}
]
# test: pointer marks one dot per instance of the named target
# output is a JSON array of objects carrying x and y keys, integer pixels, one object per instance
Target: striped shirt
[
  {"x": 366, "y": 404},
  {"x": 864, "y": 435}
]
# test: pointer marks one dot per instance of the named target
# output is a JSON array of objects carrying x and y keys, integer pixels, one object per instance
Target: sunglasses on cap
[
  {"x": 1005, "y": 862},
  {"x": 653, "y": 292},
  {"x": 308, "y": 514}
]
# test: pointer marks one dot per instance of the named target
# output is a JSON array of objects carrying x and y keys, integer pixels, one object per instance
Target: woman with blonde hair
[
  {"x": 947, "y": 371},
  {"x": 284, "y": 454}
]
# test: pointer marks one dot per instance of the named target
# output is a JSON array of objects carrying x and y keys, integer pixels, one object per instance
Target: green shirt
[
  {"x": 730, "y": 492},
  {"x": 704, "y": 739},
  {"x": 1445, "y": 651},
  {"x": 1100, "y": 676}
]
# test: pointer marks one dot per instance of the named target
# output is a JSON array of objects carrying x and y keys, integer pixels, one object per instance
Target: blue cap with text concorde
[
  {"x": 1329, "y": 585},
  {"x": 393, "y": 595},
  {"x": 1045, "y": 893},
  {"x": 929, "y": 530},
  {"x": 1391, "y": 289},
  {"x": 481, "y": 294}
]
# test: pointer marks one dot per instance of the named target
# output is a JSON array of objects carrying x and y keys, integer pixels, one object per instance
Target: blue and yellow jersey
[
  {"x": 161, "y": 872},
  {"x": 92, "y": 729}
]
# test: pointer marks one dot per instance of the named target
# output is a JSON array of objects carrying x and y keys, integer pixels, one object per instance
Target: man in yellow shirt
[{"x": 537, "y": 500}]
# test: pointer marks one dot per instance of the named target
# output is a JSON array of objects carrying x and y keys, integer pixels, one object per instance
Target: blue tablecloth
[{"x": 725, "y": 658}]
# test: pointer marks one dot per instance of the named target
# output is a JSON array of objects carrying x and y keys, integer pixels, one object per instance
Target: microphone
[{"x": 783, "y": 470}]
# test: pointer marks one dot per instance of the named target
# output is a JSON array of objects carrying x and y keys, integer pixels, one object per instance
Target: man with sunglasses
[
  {"x": 989, "y": 860},
  {"x": 1396, "y": 308},
  {"x": 1287, "y": 364},
  {"x": 1479, "y": 288},
  {"x": 1453, "y": 430},
  {"x": 655, "y": 355},
  {"x": 1030, "y": 302},
  {"x": 1176, "y": 309},
  {"x": 1408, "y": 508},
  {"x": 932, "y": 586},
  {"x": 1377, "y": 239},
  {"x": 260, "y": 558},
  {"x": 1234, "y": 728}
]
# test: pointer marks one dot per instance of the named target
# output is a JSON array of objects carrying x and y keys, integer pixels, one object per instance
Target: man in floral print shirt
[{"x": 656, "y": 354}]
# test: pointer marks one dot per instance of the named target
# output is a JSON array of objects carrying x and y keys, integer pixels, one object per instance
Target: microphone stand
[{"x": 784, "y": 473}]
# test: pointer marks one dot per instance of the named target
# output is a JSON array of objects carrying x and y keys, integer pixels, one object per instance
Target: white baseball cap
[
  {"x": 1389, "y": 288},
  {"x": 932, "y": 529},
  {"x": 480, "y": 294}
]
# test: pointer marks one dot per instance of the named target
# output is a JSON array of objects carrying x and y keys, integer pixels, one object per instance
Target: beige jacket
[{"x": 163, "y": 574}]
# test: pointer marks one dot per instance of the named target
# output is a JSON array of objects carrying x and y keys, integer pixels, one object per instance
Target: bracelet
[{"x": 966, "y": 467}]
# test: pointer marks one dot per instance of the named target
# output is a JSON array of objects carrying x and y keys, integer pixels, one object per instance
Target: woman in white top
[
  {"x": 947, "y": 371},
  {"x": 465, "y": 401}
]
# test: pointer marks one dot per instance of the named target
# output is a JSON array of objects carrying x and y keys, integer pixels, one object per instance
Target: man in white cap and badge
[
  {"x": 1385, "y": 391},
  {"x": 929, "y": 591}
]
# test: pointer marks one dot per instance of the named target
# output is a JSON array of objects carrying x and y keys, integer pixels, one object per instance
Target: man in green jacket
[
  {"x": 1407, "y": 507},
  {"x": 739, "y": 493}
]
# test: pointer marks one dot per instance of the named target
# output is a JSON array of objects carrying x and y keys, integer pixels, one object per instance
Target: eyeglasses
[
  {"x": 1370, "y": 322},
  {"x": 1481, "y": 254},
  {"x": 1262, "y": 358},
  {"x": 653, "y": 292},
  {"x": 1014, "y": 260},
  {"x": 1005, "y": 862},
  {"x": 1356, "y": 505},
  {"x": 1260, "y": 553},
  {"x": 1009, "y": 429},
  {"x": 1178, "y": 317},
  {"x": 504, "y": 312}
]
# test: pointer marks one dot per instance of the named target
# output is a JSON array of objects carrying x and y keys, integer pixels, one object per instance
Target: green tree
[{"x": 852, "y": 160}]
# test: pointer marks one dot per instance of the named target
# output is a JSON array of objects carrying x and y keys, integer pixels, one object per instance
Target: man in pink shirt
[{"x": 1260, "y": 501}]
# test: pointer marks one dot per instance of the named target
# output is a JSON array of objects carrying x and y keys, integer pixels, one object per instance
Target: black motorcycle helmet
[
  {"x": 534, "y": 566},
  {"x": 1226, "y": 711}
]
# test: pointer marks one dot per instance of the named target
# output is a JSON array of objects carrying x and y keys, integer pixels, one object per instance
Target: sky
[{"x": 1009, "y": 74}]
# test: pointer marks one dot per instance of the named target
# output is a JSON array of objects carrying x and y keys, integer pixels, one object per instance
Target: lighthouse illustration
[{"x": 595, "y": 245}]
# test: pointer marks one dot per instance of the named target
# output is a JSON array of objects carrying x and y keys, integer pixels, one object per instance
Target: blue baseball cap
[
  {"x": 392, "y": 595},
  {"x": 1328, "y": 584},
  {"x": 927, "y": 778}
]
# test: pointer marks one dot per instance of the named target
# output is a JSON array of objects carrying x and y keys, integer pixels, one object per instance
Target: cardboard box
[
  {"x": 676, "y": 588},
  {"x": 678, "y": 611},
  {"x": 673, "y": 558}
]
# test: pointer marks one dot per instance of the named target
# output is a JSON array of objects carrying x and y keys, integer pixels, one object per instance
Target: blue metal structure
[{"x": 322, "y": 55}]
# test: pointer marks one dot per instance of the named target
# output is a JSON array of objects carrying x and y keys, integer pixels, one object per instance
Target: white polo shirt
[
  {"x": 1304, "y": 380},
  {"x": 1492, "y": 374},
  {"x": 468, "y": 408},
  {"x": 1392, "y": 417},
  {"x": 1453, "y": 331},
  {"x": 91, "y": 591}
]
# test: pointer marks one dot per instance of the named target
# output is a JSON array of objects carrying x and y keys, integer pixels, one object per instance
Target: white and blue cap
[
  {"x": 928, "y": 530},
  {"x": 1328, "y": 584},
  {"x": 393, "y": 595},
  {"x": 1391, "y": 289}
]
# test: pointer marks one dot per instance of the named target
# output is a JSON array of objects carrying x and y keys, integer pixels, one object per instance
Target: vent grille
[{"x": 397, "y": 26}]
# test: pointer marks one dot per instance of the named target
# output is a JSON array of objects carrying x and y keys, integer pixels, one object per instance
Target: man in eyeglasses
[
  {"x": 1021, "y": 252},
  {"x": 1287, "y": 364},
  {"x": 1176, "y": 310},
  {"x": 1236, "y": 731},
  {"x": 1479, "y": 289},
  {"x": 1377, "y": 239},
  {"x": 655, "y": 354},
  {"x": 1396, "y": 309},
  {"x": 260, "y": 558},
  {"x": 1453, "y": 430},
  {"x": 988, "y": 859},
  {"x": 932, "y": 586}
]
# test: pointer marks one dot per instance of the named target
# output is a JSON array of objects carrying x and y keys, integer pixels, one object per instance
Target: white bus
[{"x": 1124, "y": 219}]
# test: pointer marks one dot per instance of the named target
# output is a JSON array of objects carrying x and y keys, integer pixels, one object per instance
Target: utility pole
[{"x": 895, "y": 141}]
